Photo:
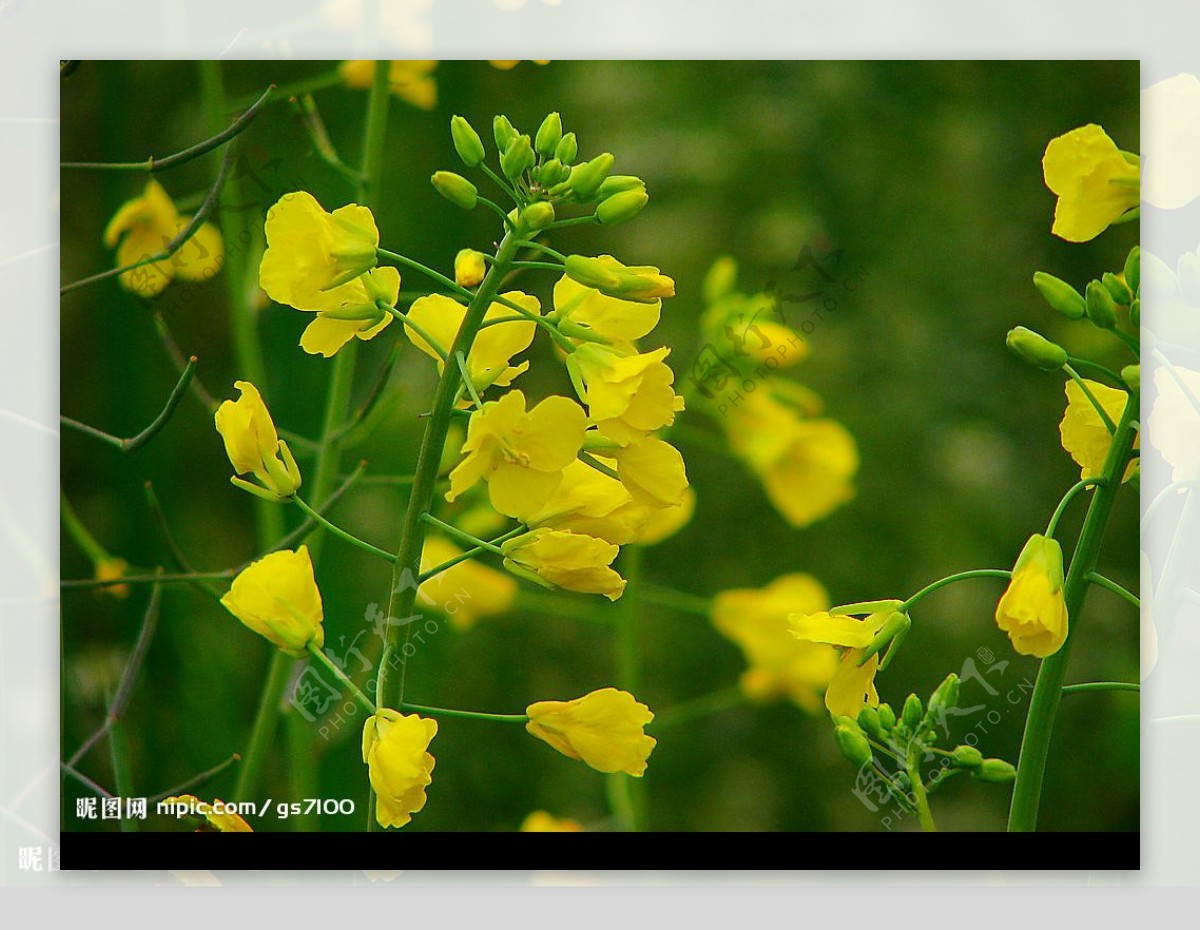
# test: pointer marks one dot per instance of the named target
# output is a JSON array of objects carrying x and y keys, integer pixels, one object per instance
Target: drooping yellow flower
[
  {"x": 277, "y": 597},
  {"x": 1084, "y": 434},
  {"x": 108, "y": 569},
  {"x": 640, "y": 283},
  {"x": 439, "y": 318},
  {"x": 399, "y": 766},
  {"x": 1174, "y": 424},
  {"x": 780, "y": 664},
  {"x": 466, "y": 592},
  {"x": 605, "y": 729},
  {"x": 469, "y": 267},
  {"x": 851, "y": 688},
  {"x": 224, "y": 822},
  {"x": 410, "y": 80},
  {"x": 562, "y": 559},
  {"x": 610, "y": 318},
  {"x": 310, "y": 252},
  {"x": 145, "y": 226},
  {"x": 628, "y": 395},
  {"x": 254, "y": 447},
  {"x": 1032, "y": 610},
  {"x": 665, "y": 522},
  {"x": 590, "y": 502},
  {"x": 652, "y": 470},
  {"x": 351, "y": 310},
  {"x": 1094, "y": 182},
  {"x": 543, "y": 822},
  {"x": 520, "y": 455}
]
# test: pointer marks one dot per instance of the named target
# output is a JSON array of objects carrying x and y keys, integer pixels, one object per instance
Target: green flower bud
[
  {"x": 995, "y": 771},
  {"x": 586, "y": 179},
  {"x": 945, "y": 696},
  {"x": 869, "y": 722},
  {"x": 504, "y": 133},
  {"x": 1135, "y": 312},
  {"x": 1132, "y": 375},
  {"x": 518, "y": 158},
  {"x": 455, "y": 188},
  {"x": 967, "y": 757},
  {"x": 1035, "y": 349},
  {"x": 1133, "y": 269},
  {"x": 621, "y": 207},
  {"x": 1101, "y": 309},
  {"x": 1188, "y": 275},
  {"x": 1060, "y": 295},
  {"x": 853, "y": 744},
  {"x": 887, "y": 716},
  {"x": 466, "y": 142},
  {"x": 537, "y": 215},
  {"x": 618, "y": 184},
  {"x": 553, "y": 172},
  {"x": 549, "y": 134},
  {"x": 567, "y": 149},
  {"x": 1116, "y": 288},
  {"x": 591, "y": 272},
  {"x": 913, "y": 713}
]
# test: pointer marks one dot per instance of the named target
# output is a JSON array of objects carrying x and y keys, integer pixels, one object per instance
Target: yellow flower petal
[
  {"x": 605, "y": 729},
  {"x": 400, "y": 767},
  {"x": 277, "y": 597},
  {"x": 1084, "y": 435},
  {"x": 1094, "y": 182}
]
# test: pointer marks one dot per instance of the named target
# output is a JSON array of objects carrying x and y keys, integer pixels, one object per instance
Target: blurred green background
[{"x": 926, "y": 175}]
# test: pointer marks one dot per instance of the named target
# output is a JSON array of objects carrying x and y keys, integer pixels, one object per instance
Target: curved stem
[
  {"x": 461, "y": 535},
  {"x": 1087, "y": 686},
  {"x": 467, "y": 382},
  {"x": 462, "y": 714},
  {"x": 908, "y": 605},
  {"x": 136, "y": 442},
  {"x": 1043, "y": 704},
  {"x": 331, "y": 667},
  {"x": 531, "y": 244},
  {"x": 419, "y": 330},
  {"x": 412, "y": 263},
  {"x": 549, "y": 266},
  {"x": 341, "y": 533},
  {"x": 1074, "y": 490},
  {"x": 1097, "y": 579},
  {"x": 1116, "y": 379},
  {"x": 1087, "y": 392},
  {"x": 498, "y": 210},
  {"x": 921, "y": 797},
  {"x": 501, "y": 183},
  {"x": 469, "y": 554}
]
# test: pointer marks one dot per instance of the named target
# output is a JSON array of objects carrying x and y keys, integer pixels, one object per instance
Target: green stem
[
  {"x": 1097, "y": 579},
  {"x": 676, "y": 600},
  {"x": 136, "y": 442},
  {"x": 924, "y": 814},
  {"x": 331, "y": 667},
  {"x": 341, "y": 533},
  {"x": 1087, "y": 392},
  {"x": 498, "y": 210},
  {"x": 1116, "y": 379},
  {"x": 462, "y": 714},
  {"x": 420, "y": 331},
  {"x": 467, "y": 382},
  {"x": 548, "y": 266},
  {"x": 699, "y": 707},
  {"x": 118, "y": 744},
  {"x": 530, "y": 244},
  {"x": 83, "y": 536},
  {"x": 412, "y": 263},
  {"x": 469, "y": 554},
  {"x": 951, "y": 579},
  {"x": 573, "y": 221},
  {"x": 1087, "y": 686},
  {"x": 501, "y": 183},
  {"x": 1047, "y": 691},
  {"x": 461, "y": 535},
  {"x": 1077, "y": 488},
  {"x": 401, "y": 600},
  {"x": 266, "y": 721}
]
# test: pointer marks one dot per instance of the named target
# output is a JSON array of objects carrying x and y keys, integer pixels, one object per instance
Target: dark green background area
[{"x": 927, "y": 176}]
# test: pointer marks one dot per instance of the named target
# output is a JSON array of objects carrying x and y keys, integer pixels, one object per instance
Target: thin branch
[
  {"x": 195, "y": 781},
  {"x": 136, "y": 442},
  {"x": 181, "y": 361}
]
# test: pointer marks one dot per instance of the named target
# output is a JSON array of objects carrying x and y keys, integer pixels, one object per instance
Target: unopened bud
[
  {"x": 995, "y": 771},
  {"x": 455, "y": 188},
  {"x": 1116, "y": 288},
  {"x": 967, "y": 757},
  {"x": 853, "y": 744},
  {"x": 549, "y": 134},
  {"x": 913, "y": 713},
  {"x": 619, "y": 183},
  {"x": 586, "y": 179},
  {"x": 469, "y": 268},
  {"x": 1135, "y": 312},
  {"x": 1035, "y": 349},
  {"x": 869, "y": 722},
  {"x": 1101, "y": 309},
  {"x": 1060, "y": 295},
  {"x": 537, "y": 215},
  {"x": 518, "y": 158},
  {"x": 504, "y": 133},
  {"x": 887, "y": 716},
  {"x": 567, "y": 149},
  {"x": 553, "y": 172},
  {"x": 621, "y": 207},
  {"x": 1132, "y": 376},
  {"x": 466, "y": 142},
  {"x": 944, "y": 697},
  {"x": 1133, "y": 269}
]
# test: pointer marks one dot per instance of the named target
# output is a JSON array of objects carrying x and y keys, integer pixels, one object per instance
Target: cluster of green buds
[
  {"x": 542, "y": 172},
  {"x": 1110, "y": 302}
]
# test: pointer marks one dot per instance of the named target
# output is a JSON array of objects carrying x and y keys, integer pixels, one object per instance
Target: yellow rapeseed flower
[
  {"x": 640, "y": 283},
  {"x": 521, "y": 455},
  {"x": 1094, "y": 182},
  {"x": 543, "y": 822},
  {"x": 254, "y": 447},
  {"x": 1032, "y": 611},
  {"x": 605, "y": 729},
  {"x": 562, "y": 559},
  {"x": 780, "y": 664},
  {"x": 439, "y": 318},
  {"x": 852, "y": 687},
  {"x": 590, "y": 502},
  {"x": 469, "y": 268},
  {"x": 664, "y": 522},
  {"x": 277, "y": 597},
  {"x": 609, "y": 318},
  {"x": 224, "y": 822},
  {"x": 628, "y": 394},
  {"x": 310, "y": 251},
  {"x": 351, "y": 310},
  {"x": 1084, "y": 434},
  {"x": 466, "y": 592},
  {"x": 400, "y": 768},
  {"x": 652, "y": 470},
  {"x": 410, "y": 80},
  {"x": 144, "y": 226}
]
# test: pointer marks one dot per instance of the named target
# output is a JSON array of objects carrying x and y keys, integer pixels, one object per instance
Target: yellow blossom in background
[
  {"x": 628, "y": 395},
  {"x": 780, "y": 664},
  {"x": 439, "y": 317},
  {"x": 652, "y": 470},
  {"x": 351, "y": 310},
  {"x": 1084, "y": 434},
  {"x": 108, "y": 569},
  {"x": 640, "y": 283},
  {"x": 310, "y": 251},
  {"x": 507, "y": 64},
  {"x": 466, "y": 592},
  {"x": 254, "y": 447},
  {"x": 1174, "y": 424},
  {"x": 609, "y": 318},
  {"x": 1094, "y": 182},
  {"x": 144, "y": 226},
  {"x": 1032, "y": 611},
  {"x": 605, "y": 729},
  {"x": 223, "y": 822},
  {"x": 396, "y": 750},
  {"x": 521, "y": 455},
  {"x": 561, "y": 559},
  {"x": 469, "y": 268},
  {"x": 543, "y": 822},
  {"x": 665, "y": 522},
  {"x": 277, "y": 597},
  {"x": 411, "y": 80},
  {"x": 852, "y": 687}
]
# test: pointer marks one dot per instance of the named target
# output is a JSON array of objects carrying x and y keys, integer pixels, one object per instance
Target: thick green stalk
[
  {"x": 390, "y": 680},
  {"x": 118, "y": 744},
  {"x": 1047, "y": 692},
  {"x": 266, "y": 721}
]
